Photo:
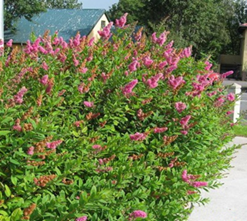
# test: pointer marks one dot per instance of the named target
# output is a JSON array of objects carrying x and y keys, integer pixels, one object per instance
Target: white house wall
[{"x": 97, "y": 27}]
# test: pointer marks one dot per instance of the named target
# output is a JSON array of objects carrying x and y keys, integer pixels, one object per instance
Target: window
[{"x": 102, "y": 24}]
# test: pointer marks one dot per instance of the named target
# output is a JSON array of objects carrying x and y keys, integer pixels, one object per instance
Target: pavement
[{"x": 228, "y": 202}]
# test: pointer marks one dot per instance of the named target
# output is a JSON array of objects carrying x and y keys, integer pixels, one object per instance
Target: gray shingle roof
[{"x": 67, "y": 21}]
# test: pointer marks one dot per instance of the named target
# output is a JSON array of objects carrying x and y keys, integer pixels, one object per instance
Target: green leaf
[
  {"x": 7, "y": 191},
  {"x": 16, "y": 215},
  {"x": 13, "y": 180},
  {"x": 3, "y": 213},
  {"x": 93, "y": 191},
  {"x": 4, "y": 132},
  {"x": 14, "y": 162}
]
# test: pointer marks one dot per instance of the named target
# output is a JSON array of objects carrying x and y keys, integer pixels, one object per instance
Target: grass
[{"x": 240, "y": 129}]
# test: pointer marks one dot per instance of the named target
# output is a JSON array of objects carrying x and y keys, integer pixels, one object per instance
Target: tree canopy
[
  {"x": 203, "y": 24},
  {"x": 14, "y": 9}
]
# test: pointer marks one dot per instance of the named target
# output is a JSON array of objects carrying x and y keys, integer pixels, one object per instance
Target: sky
[{"x": 101, "y": 4}]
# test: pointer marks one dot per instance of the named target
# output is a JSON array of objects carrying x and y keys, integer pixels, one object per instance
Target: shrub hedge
[{"x": 127, "y": 128}]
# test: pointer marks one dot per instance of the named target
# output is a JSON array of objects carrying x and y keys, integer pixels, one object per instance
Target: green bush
[{"x": 127, "y": 128}]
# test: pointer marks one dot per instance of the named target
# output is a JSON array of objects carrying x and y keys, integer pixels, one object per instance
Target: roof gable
[{"x": 66, "y": 21}]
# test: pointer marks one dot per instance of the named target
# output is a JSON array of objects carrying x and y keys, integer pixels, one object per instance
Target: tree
[
  {"x": 202, "y": 24},
  {"x": 15, "y": 9},
  {"x": 70, "y": 4},
  {"x": 239, "y": 17}
]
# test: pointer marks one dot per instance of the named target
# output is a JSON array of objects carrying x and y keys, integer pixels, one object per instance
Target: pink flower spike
[
  {"x": 106, "y": 32},
  {"x": 208, "y": 65},
  {"x": 212, "y": 93},
  {"x": 96, "y": 146},
  {"x": 45, "y": 66},
  {"x": 160, "y": 129},
  {"x": 91, "y": 41},
  {"x": 175, "y": 82},
  {"x": 226, "y": 74},
  {"x": 121, "y": 22},
  {"x": 9, "y": 43},
  {"x": 83, "y": 218},
  {"x": 184, "y": 132},
  {"x": 88, "y": 103},
  {"x": 30, "y": 150},
  {"x": 129, "y": 87},
  {"x": 162, "y": 65},
  {"x": 44, "y": 80},
  {"x": 184, "y": 121},
  {"x": 189, "y": 192},
  {"x": 101, "y": 162},
  {"x": 199, "y": 184},
  {"x": 133, "y": 66},
  {"x": 18, "y": 98},
  {"x": 162, "y": 38},
  {"x": 154, "y": 38},
  {"x": 184, "y": 176},
  {"x": 17, "y": 128},
  {"x": 153, "y": 81},
  {"x": 180, "y": 106},
  {"x": 231, "y": 97},
  {"x": 147, "y": 61},
  {"x": 138, "y": 214},
  {"x": 54, "y": 144},
  {"x": 229, "y": 112},
  {"x": 138, "y": 136}
]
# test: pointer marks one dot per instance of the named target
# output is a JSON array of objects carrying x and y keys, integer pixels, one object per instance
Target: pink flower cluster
[
  {"x": 18, "y": 98},
  {"x": 153, "y": 81},
  {"x": 175, "y": 82},
  {"x": 121, "y": 22},
  {"x": 30, "y": 150},
  {"x": 44, "y": 80},
  {"x": 17, "y": 125},
  {"x": 160, "y": 129},
  {"x": 127, "y": 90},
  {"x": 88, "y": 104},
  {"x": 9, "y": 43},
  {"x": 191, "y": 180},
  {"x": 186, "y": 52},
  {"x": 219, "y": 101},
  {"x": 184, "y": 123},
  {"x": 54, "y": 144},
  {"x": 230, "y": 97},
  {"x": 104, "y": 170},
  {"x": 45, "y": 66},
  {"x": 134, "y": 65},
  {"x": 137, "y": 214},
  {"x": 106, "y": 32},
  {"x": 138, "y": 136},
  {"x": 226, "y": 74},
  {"x": 147, "y": 61},
  {"x": 83, "y": 218},
  {"x": 180, "y": 106},
  {"x": 161, "y": 39},
  {"x": 208, "y": 65}
]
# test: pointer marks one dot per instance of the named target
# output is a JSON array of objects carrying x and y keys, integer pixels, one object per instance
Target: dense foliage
[
  {"x": 210, "y": 26},
  {"x": 127, "y": 128}
]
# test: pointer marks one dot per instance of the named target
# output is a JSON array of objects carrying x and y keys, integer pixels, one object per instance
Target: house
[
  {"x": 237, "y": 63},
  {"x": 68, "y": 22},
  {"x": 243, "y": 52}
]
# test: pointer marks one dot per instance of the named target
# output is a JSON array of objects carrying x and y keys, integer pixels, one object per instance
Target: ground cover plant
[{"x": 128, "y": 128}]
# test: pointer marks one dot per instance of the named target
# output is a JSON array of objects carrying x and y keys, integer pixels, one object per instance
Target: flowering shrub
[{"x": 109, "y": 131}]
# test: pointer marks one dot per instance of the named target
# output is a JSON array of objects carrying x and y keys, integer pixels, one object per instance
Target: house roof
[{"x": 66, "y": 21}]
